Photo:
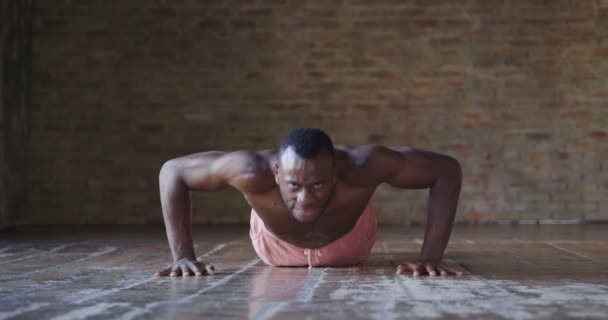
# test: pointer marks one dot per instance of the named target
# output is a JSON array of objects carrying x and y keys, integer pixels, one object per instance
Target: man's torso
[{"x": 350, "y": 197}]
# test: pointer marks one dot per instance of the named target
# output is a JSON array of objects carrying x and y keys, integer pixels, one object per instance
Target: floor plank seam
[{"x": 580, "y": 255}]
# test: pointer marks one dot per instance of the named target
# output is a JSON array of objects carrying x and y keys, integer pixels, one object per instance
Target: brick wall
[
  {"x": 15, "y": 96},
  {"x": 516, "y": 90}
]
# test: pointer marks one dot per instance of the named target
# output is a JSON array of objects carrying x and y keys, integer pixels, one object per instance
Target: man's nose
[{"x": 305, "y": 197}]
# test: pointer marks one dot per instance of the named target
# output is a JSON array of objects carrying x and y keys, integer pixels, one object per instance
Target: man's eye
[
  {"x": 293, "y": 185},
  {"x": 317, "y": 185}
]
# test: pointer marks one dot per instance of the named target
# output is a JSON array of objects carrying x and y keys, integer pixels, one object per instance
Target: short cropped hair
[{"x": 307, "y": 142}]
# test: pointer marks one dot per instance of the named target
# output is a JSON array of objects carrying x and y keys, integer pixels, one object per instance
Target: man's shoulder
[
  {"x": 249, "y": 170},
  {"x": 361, "y": 165},
  {"x": 249, "y": 160},
  {"x": 360, "y": 156}
]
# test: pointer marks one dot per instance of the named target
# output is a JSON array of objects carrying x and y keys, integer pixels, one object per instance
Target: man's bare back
[{"x": 310, "y": 199}]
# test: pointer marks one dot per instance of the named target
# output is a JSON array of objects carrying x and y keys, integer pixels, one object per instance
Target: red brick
[
  {"x": 243, "y": 24},
  {"x": 598, "y": 134},
  {"x": 538, "y": 136}
]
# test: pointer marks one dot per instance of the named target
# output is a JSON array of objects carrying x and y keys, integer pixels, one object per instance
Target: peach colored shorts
[{"x": 350, "y": 249}]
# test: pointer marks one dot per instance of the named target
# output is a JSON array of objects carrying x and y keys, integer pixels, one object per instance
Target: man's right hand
[{"x": 187, "y": 267}]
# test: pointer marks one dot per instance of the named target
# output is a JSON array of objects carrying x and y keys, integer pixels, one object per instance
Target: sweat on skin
[{"x": 309, "y": 193}]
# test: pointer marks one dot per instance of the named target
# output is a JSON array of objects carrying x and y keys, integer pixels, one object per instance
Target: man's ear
[
  {"x": 275, "y": 169},
  {"x": 334, "y": 175}
]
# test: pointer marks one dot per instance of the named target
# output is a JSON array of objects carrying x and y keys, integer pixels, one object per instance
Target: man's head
[{"x": 305, "y": 172}]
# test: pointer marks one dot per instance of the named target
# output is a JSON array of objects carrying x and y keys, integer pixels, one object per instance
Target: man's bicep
[
  {"x": 196, "y": 171},
  {"x": 409, "y": 168},
  {"x": 243, "y": 170}
]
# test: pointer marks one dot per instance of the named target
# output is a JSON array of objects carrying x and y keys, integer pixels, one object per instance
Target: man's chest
[{"x": 338, "y": 218}]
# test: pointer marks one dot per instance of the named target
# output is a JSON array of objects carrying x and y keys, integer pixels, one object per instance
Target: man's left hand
[{"x": 432, "y": 269}]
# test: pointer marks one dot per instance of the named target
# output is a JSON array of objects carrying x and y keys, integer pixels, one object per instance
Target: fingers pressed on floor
[
  {"x": 176, "y": 271},
  {"x": 185, "y": 271},
  {"x": 415, "y": 268},
  {"x": 194, "y": 267},
  {"x": 210, "y": 268},
  {"x": 402, "y": 269},
  {"x": 163, "y": 273},
  {"x": 454, "y": 271}
]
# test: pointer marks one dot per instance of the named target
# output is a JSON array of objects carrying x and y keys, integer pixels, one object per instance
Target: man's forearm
[
  {"x": 177, "y": 213},
  {"x": 442, "y": 203}
]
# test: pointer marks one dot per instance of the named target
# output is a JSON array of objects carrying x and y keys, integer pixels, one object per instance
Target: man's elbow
[
  {"x": 453, "y": 170},
  {"x": 169, "y": 171}
]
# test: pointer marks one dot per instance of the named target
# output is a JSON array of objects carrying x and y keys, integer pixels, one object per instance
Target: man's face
[{"x": 305, "y": 184}]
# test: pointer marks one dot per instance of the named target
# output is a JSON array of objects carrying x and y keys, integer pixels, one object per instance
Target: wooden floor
[{"x": 525, "y": 272}]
